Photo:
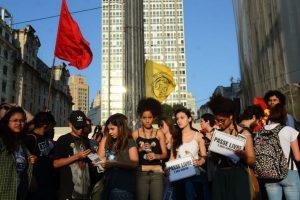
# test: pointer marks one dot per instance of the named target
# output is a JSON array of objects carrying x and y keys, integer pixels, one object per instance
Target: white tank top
[{"x": 189, "y": 148}]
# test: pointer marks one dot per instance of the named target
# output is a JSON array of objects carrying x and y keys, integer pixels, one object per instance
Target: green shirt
[{"x": 8, "y": 175}]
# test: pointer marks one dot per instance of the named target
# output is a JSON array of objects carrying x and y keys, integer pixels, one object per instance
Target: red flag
[
  {"x": 70, "y": 44},
  {"x": 260, "y": 101}
]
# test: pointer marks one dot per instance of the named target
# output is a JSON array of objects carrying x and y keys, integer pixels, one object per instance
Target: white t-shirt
[{"x": 286, "y": 135}]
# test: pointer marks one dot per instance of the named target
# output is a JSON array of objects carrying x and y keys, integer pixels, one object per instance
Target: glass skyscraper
[{"x": 164, "y": 43}]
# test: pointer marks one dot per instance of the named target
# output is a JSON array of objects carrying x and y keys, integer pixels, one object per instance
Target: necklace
[{"x": 143, "y": 128}]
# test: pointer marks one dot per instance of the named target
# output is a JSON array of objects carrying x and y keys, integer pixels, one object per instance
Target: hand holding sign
[
  {"x": 227, "y": 145},
  {"x": 181, "y": 168}
]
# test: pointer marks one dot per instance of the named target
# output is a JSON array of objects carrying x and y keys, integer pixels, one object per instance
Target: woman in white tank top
[{"x": 187, "y": 142}]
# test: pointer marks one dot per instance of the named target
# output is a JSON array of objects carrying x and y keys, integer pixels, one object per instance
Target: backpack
[{"x": 270, "y": 160}]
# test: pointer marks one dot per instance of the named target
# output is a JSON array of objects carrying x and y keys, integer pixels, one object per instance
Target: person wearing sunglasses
[
  {"x": 70, "y": 158},
  {"x": 230, "y": 180}
]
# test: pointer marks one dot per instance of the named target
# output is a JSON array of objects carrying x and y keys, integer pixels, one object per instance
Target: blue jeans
[{"x": 290, "y": 186}]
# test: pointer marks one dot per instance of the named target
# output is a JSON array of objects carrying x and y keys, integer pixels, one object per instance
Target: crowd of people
[{"x": 118, "y": 163}]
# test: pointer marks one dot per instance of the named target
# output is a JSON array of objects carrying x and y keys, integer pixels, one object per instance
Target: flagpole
[{"x": 50, "y": 86}]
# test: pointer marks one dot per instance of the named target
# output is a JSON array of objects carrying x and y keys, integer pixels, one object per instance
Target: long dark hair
[
  {"x": 177, "y": 137},
  {"x": 169, "y": 122},
  {"x": 278, "y": 114},
  {"x": 120, "y": 143},
  {"x": 9, "y": 139}
]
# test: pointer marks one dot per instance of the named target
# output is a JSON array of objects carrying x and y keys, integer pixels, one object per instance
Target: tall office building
[
  {"x": 164, "y": 43},
  {"x": 80, "y": 93}
]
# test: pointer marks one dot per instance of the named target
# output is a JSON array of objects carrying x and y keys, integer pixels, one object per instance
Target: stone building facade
[
  {"x": 269, "y": 48},
  {"x": 25, "y": 77}
]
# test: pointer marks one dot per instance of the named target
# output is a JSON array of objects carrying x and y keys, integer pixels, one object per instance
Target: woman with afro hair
[
  {"x": 230, "y": 180},
  {"x": 152, "y": 150}
]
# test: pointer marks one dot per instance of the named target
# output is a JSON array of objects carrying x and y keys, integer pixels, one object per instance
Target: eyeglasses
[
  {"x": 220, "y": 121},
  {"x": 17, "y": 121}
]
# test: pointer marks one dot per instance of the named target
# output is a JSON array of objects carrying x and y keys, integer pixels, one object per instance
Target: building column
[{"x": 134, "y": 59}]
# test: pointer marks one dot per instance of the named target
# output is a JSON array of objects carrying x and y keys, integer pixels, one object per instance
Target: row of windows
[
  {"x": 163, "y": 35},
  {"x": 112, "y": 51},
  {"x": 146, "y": 1},
  {"x": 163, "y": 42},
  {"x": 112, "y": 66},
  {"x": 163, "y": 20},
  {"x": 113, "y": 21},
  {"x": 162, "y": 6},
  {"x": 114, "y": 35},
  {"x": 115, "y": 58},
  {"x": 163, "y": 13},
  {"x": 113, "y": 28},
  {"x": 174, "y": 95},
  {"x": 112, "y": 14},
  {"x": 166, "y": 28},
  {"x": 168, "y": 49}
]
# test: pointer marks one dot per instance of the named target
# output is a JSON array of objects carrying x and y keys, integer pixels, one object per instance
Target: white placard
[
  {"x": 97, "y": 160},
  {"x": 226, "y": 144},
  {"x": 181, "y": 168}
]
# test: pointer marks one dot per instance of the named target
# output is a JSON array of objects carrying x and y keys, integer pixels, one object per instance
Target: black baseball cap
[{"x": 78, "y": 119}]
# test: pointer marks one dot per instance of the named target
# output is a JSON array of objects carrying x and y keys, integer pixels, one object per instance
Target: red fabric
[
  {"x": 260, "y": 101},
  {"x": 70, "y": 44}
]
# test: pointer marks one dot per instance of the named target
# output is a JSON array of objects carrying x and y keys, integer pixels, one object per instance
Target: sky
[{"x": 210, "y": 39}]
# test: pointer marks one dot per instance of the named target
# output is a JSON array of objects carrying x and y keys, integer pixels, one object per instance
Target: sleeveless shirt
[
  {"x": 155, "y": 148},
  {"x": 189, "y": 148}
]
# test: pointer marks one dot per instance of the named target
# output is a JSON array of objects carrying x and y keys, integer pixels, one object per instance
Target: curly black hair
[
  {"x": 222, "y": 106},
  {"x": 248, "y": 113},
  {"x": 149, "y": 104},
  {"x": 276, "y": 93}
]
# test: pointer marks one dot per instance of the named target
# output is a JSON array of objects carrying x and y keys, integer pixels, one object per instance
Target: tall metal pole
[{"x": 134, "y": 59}]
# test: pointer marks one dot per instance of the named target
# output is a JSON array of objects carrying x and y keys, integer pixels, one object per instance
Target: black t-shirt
[
  {"x": 43, "y": 170},
  {"x": 74, "y": 178}
]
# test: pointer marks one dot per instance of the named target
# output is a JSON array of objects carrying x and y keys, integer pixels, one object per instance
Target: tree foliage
[{"x": 169, "y": 111}]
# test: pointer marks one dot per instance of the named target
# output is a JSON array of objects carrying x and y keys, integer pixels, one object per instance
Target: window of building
[
  {"x": 7, "y": 36},
  {"x": 4, "y": 70},
  {"x": 6, "y": 54},
  {"x": 3, "y": 86}
]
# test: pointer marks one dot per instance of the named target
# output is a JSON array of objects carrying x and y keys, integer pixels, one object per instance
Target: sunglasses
[{"x": 220, "y": 121}]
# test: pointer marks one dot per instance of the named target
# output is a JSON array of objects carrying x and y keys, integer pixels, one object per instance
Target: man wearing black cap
[{"x": 71, "y": 152}]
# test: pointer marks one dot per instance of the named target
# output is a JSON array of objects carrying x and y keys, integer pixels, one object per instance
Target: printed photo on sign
[{"x": 226, "y": 144}]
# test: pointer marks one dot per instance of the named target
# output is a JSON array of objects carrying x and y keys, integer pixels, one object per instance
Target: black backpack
[{"x": 270, "y": 160}]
